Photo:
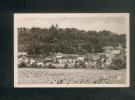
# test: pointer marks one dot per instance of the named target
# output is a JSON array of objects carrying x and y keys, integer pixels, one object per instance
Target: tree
[
  {"x": 69, "y": 40},
  {"x": 66, "y": 65}
]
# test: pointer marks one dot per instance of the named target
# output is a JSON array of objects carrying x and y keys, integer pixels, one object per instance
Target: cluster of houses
[{"x": 61, "y": 60}]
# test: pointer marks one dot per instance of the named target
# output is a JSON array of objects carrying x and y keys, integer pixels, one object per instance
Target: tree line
[{"x": 37, "y": 40}]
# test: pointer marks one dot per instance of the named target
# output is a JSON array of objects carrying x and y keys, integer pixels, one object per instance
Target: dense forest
[{"x": 37, "y": 40}]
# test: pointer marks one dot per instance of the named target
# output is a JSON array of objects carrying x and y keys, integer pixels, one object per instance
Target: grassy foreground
[{"x": 70, "y": 76}]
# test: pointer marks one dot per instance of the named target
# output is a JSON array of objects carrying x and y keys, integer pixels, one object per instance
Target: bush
[
  {"x": 33, "y": 65},
  {"x": 51, "y": 67},
  {"x": 22, "y": 65},
  {"x": 66, "y": 65},
  {"x": 118, "y": 64}
]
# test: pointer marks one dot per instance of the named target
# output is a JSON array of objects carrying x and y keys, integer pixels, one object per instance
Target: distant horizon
[
  {"x": 114, "y": 22},
  {"x": 71, "y": 27}
]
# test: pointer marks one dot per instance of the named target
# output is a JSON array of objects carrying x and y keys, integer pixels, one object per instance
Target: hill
[{"x": 69, "y": 40}]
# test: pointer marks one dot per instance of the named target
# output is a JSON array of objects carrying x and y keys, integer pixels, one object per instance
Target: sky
[{"x": 115, "y": 22}]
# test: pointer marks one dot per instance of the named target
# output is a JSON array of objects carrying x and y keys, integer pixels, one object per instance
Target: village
[
  {"x": 77, "y": 50},
  {"x": 61, "y": 60}
]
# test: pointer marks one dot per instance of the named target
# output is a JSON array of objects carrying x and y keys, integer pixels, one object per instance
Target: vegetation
[
  {"x": 119, "y": 62},
  {"x": 69, "y": 40},
  {"x": 68, "y": 76}
]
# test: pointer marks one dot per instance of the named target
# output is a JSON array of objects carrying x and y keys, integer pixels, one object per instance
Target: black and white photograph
[{"x": 71, "y": 50}]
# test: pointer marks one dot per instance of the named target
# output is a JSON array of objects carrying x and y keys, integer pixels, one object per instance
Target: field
[{"x": 70, "y": 76}]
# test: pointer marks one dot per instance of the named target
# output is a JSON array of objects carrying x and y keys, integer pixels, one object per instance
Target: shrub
[
  {"x": 22, "y": 65},
  {"x": 51, "y": 67},
  {"x": 66, "y": 65},
  {"x": 118, "y": 64},
  {"x": 33, "y": 65}
]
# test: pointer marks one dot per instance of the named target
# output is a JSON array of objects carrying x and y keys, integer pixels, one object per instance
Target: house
[
  {"x": 48, "y": 63},
  {"x": 20, "y": 60},
  {"x": 115, "y": 51},
  {"x": 31, "y": 61},
  {"x": 49, "y": 59},
  {"x": 119, "y": 47},
  {"x": 61, "y": 61},
  {"x": 23, "y": 59},
  {"x": 110, "y": 55},
  {"x": 26, "y": 60},
  {"x": 90, "y": 63},
  {"x": 81, "y": 57},
  {"x": 65, "y": 60},
  {"x": 58, "y": 65},
  {"x": 40, "y": 63},
  {"x": 108, "y": 61},
  {"x": 95, "y": 57},
  {"x": 71, "y": 65},
  {"x": 59, "y": 55},
  {"x": 108, "y": 48},
  {"x": 62, "y": 55},
  {"x": 22, "y": 53}
]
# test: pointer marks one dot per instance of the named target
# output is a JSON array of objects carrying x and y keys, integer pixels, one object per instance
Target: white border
[{"x": 27, "y": 15}]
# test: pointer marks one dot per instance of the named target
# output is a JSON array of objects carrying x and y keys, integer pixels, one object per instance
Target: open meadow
[{"x": 71, "y": 76}]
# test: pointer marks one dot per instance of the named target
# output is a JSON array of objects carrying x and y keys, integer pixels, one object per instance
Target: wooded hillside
[{"x": 69, "y": 40}]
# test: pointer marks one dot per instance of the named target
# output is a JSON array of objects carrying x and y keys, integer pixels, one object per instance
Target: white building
[
  {"x": 80, "y": 58},
  {"x": 23, "y": 59},
  {"x": 108, "y": 48},
  {"x": 115, "y": 52},
  {"x": 40, "y": 64},
  {"x": 31, "y": 61},
  {"x": 22, "y": 53},
  {"x": 108, "y": 61}
]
